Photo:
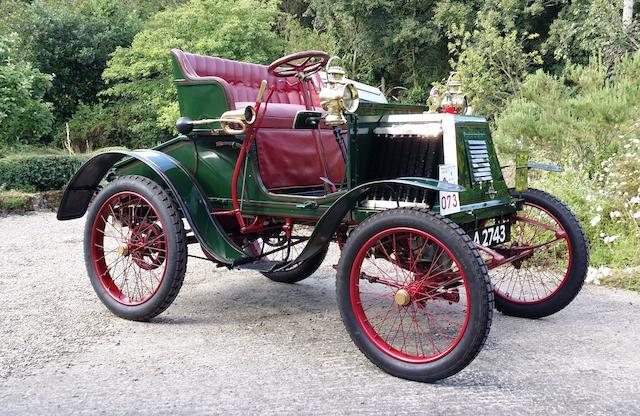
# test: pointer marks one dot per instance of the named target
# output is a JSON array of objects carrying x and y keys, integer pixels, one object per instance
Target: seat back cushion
[{"x": 245, "y": 78}]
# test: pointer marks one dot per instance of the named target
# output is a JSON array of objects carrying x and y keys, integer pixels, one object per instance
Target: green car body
[{"x": 206, "y": 163}]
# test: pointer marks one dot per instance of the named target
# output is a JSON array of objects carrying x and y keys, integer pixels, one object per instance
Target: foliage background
[{"x": 558, "y": 77}]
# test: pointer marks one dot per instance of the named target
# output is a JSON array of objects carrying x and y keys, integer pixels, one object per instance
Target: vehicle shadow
[{"x": 247, "y": 299}]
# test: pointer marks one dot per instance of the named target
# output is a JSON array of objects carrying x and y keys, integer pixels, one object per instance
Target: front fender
[
  {"x": 332, "y": 218},
  {"x": 184, "y": 187}
]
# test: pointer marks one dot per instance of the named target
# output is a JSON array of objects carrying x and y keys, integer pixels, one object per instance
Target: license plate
[{"x": 492, "y": 235}]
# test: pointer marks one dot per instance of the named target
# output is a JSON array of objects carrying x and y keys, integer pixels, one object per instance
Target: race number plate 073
[
  {"x": 492, "y": 235},
  {"x": 449, "y": 201}
]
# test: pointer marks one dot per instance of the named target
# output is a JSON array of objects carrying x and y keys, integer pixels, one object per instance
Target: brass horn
[
  {"x": 236, "y": 121},
  {"x": 232, "y": 122}
]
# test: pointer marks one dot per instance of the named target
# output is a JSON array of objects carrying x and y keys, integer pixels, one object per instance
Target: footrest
[{"x": 260, "y": 265}]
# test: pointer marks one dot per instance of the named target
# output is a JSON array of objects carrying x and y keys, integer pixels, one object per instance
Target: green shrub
[
  {"x": 25, "y": 116},
  {"x": 111, "y": 125},
  {"x": 38, "y": 172},
  {"x": 14, "y": 201},
  {"x": 609, "y": 213},
  {"x": 587, "y": 121},
  {"x": 575, "y": 119}
]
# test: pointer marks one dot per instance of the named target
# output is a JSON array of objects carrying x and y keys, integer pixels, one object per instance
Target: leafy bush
[
  {"x": 588, "y": 122},
  {"x": 584, "y": 29},
  {"x": 72, "y": 40},
  {"x": 576, "y": 118},
  {"x": 38, "y": 172},
  {"x": 116, "y": 125},
  {"x": 494, "y": 57},
  {"x": 24, "y": 115}
]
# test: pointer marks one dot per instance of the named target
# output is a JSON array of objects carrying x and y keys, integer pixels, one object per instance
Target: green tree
[
  {"x": 25, "y": 116},
  {"x": 72, "y": 41},
  {"x": 584, "y": 29},
  {"x": 502, "y": 48},
  {"x": 141, "y": 74},
  {"x": 399, "y": 41}
]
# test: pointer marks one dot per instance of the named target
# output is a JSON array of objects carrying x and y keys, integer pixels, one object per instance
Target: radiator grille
[
  {"x": 402, "y": 155},
  {"x": 479, "y": 160}
]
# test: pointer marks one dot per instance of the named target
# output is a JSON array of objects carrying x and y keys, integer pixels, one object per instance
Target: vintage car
[{"x": 274, "y": 163}]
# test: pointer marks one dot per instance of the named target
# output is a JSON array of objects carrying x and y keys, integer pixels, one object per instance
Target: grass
[
  {"x": 624, "y": 279},
  {"x": 12, "y": 201}
]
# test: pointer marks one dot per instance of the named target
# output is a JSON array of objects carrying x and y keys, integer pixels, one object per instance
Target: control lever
[
  {"x": 328, "y": 182},
  {"x": 337, "y": 132},
  {"x": 263, "y": 88}
]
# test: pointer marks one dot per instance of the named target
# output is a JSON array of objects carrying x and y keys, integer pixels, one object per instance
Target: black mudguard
[
  {"x": 333, "y": 217},
  {"x": 183, "y": 186}
]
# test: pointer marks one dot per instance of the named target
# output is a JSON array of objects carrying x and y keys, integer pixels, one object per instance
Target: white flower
[
  {"x": 595, "y": 274},
  {"x": 599, "y": 209},
  {"x": 589, "y": 197},
  {"x": 636, "y": 214},
  {"x": 615, "y": 214},
  {"x": 610, "y": 239},
  {"x": 635, "y": 200},
  {"x": 595, "y": 220}
]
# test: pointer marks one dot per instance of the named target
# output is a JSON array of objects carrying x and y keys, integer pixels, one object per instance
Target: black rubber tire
[
  {"x": 578, "y": 267},
  {"x": 176, "y": 248},
  {"x": 471, "y": 262},
  {"x": 301, "y": 271}
]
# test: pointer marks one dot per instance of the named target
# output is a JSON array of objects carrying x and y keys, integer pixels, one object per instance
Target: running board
[{"x": 260, "y": 265}]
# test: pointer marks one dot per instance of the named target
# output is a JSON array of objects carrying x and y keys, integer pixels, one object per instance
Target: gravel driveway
[{"x": 237, "y": 343}]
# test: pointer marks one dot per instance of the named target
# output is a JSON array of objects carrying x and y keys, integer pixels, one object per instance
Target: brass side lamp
[{"x": 338, "y": 96}]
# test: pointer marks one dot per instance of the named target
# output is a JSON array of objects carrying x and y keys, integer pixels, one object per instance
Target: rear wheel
[
  {"x": 552, "y": 256},
  {"x": 135, "y": 248},
  {"x": 414, "y": 294},
  {"x": 285, "y": 248}
]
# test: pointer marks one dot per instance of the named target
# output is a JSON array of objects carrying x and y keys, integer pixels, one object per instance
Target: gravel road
[{"x": 237, "y": 343}]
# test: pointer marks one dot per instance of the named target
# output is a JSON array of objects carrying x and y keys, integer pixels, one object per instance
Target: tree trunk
[{"x": 627, "y": 13}]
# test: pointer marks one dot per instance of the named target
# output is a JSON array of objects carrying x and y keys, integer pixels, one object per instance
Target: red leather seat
[{"x": 288, "y": 158}]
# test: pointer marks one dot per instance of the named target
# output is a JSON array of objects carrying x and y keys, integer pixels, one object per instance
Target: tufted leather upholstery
[{"x": 288, "y": 158}]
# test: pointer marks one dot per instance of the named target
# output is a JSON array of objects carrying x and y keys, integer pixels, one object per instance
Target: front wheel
[
  {"x": 414, "y": 294},
  {"x": 135, "y": 248},
  {"x": 551, "y": 256}
]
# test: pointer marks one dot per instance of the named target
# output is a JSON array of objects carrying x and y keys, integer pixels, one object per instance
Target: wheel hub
[
  {"x": 147, "y": 246},
  {"x": 123, "y": 250},
  {"x": 402, "y": 297}
]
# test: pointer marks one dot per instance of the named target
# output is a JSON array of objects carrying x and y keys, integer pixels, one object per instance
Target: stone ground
[{"x": 237, "y": 343}]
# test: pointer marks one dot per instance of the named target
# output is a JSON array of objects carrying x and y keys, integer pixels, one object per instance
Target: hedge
[{"x": 38, "y": 172}]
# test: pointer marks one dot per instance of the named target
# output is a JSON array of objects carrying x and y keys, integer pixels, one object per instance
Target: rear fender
[
  {"x": 333, "y": 217},
  {"x": 184, "y": 187}
]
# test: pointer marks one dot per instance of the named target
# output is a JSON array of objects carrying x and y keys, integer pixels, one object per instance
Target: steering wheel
[{"x": 299, "y": 64}]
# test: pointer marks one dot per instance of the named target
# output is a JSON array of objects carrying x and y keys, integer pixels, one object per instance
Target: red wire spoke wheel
[
  {"x": 549, "y": 255},
  {"x": 135, "y": 248},
  {"x": 414, "y": 294},
  {"x": 129, "y": 247},
  {"x": 409, "y": 295}
]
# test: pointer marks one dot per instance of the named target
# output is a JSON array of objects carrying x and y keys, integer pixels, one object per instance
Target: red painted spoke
[{"x": 538, "y": 260}]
